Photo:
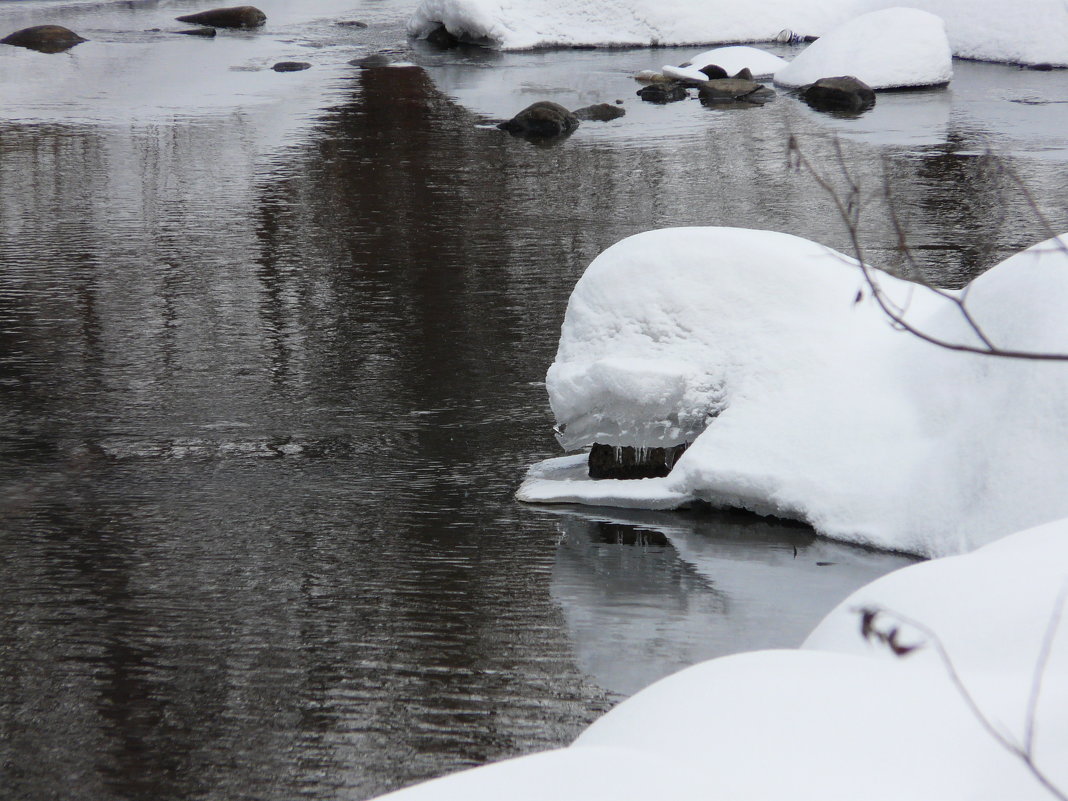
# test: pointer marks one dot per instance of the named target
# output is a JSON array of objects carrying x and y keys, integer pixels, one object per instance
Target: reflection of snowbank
[
  {"x": 821, "y": 411},
  {"x": 977, "y": 28},
  {"x": 894, "y": 48},
  {"x": 841, "y": 719}
]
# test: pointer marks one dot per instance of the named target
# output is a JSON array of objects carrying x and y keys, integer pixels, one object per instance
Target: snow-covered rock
[
  {"x": 739, "y": 57},
  {"x": 844, "y": 718},
  {"x": 1035, "y": 31},
  {"x": 803, "y": 402},
  {"x": 889, "y": 49}
]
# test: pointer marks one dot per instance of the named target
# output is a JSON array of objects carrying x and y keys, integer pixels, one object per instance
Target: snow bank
[
  {"x": 815, "y": 408},
  {"x": 738, "y": 57},
  {"x": 894, "y": 48},
  {"x": 1033, "y": 32},
  {"x": 843, "y": 718}
]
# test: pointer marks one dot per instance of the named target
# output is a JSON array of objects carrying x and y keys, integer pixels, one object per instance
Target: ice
[
  {"x": 816, "y": 408},
  {"x": 1032, "y": 32},
  {"x": 894, "y": 48},
  {"x": 843, "y": 718}
]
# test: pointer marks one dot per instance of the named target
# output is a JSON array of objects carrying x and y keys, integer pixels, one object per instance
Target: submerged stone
[
  {"x": 44, "y": 38},
  {"x": 600, "y": 112},
  {"x": 291, "y": 66},
  {"x": 207, "y": 33},
  {"x": 628, "y": 462},
  {"x": 541, "y": 120},
  {"x": 663, "y": 92},
  {"x": 843, "y": 93}
]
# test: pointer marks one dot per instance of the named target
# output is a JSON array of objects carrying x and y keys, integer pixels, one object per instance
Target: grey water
[{"x": 271, "y": 369}]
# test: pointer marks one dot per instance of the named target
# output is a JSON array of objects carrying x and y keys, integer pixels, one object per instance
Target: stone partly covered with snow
[
  {"x": 892, "y": 49},
  {"x": 981, "y": 29},
  {"x": 733, "y": 60},
  {"x": 802, "y": 402},
  {"x": 843, "y": 718}
]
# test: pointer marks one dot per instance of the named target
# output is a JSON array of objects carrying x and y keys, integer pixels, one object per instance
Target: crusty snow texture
[
  {"x": 816, "y": 408},
  {"x": 842, "y": 718},
  {"x": 1028, "y": 32},
  {"x": 889, "y": 49}
]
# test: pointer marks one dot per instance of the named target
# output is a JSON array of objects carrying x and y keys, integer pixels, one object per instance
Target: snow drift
[
  {"x": 843, "y": 718},
  {"x": 890, "y": 49},
  {"x": 1033, "y": 32},
  {"x": 800, "y": 398}
]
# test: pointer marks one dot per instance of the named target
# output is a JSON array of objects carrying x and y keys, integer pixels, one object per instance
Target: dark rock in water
[
  {"x": 235, "y": 17},
  {"x": 728, "y": 90},
  {"x": 610, "y": 461},
  {"x": 440, "y": 37},
  {"x": 352, "y": 24},
  {"x": 663, "y": 92},
  {"x": 843, "y": 93},
  {"x": 44, "y": 38},
  {"x": 205, "y": 32},
  {"x": 291, "y": 66},
  {"x": 714, "y": 71},
  {"x": 744, "y": 74},
  {"x": 541, "y": 120},
  {"x": 371, "y": 61},
  {"x": 601, "y": 112}
]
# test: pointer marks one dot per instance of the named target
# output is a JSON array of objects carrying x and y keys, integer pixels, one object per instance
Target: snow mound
[
  {"x": 812, "y": 406},
  {"x": 979, "y": 29},
  {"x": 739, "y": 57},
  {"x": 843, "y": 718},
  {"x": 889, "y": 49}
]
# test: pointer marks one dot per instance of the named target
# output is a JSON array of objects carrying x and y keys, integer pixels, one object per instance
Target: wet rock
[
  {"x": 205, "y": 32},
  {"x": 600, "y": 112},
  {"x": 744, "y": 74},
  {"x": 652, "y": 76},
  {"x": 371, "y": 61},
  {"x": 352, "y": 24},
  {"x": 844, "y": 94},
  {"x": 291, "y": 66},
  {"x": 541, "y": 120},
  {"x": 714, "y": 71},
  {"x": 727, "y": 90},
  {"x": 440, "y": 37},
  {"x": 609, "y": 461},
  {"x": 663, "y": 92},
  {"x": 44, "y": 38},
  {"x": 234, "y": 17}
]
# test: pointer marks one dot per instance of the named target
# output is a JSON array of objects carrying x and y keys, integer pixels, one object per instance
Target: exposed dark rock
[
  {"x": 728, "y": 90},
  {"x": 541, "y": 120},
  {"x": 843, "y": 93},
  {"x": 440, "y": 37},
  {"x": 714, "y": 71},
  {"x": 234, "y": 17},
  {"x": 205, "y": 32},
  {"x": 610, "y": 461},
  {"x": 291, "y": 66},
  {"x": 662, "y": 92},
  {"x": 44, "y": 38},
  {"x": 744, "y": 74},
  {"x": 601, "y": 112},
  {"x": 352, "y": 24},
  {"x": 373, "y": 60}
]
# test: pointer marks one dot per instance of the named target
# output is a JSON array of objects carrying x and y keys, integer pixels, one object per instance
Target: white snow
[
  {"x": 843, "y": 718},
  {"x": 893, "y": 48},
  {"x": 816, "y": 409},
  {"x": 738, "y": 57},
  {"x": 1034, "y": 31}
]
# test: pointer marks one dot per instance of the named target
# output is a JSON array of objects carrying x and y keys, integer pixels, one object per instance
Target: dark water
[{"x": 264, "y": 407}]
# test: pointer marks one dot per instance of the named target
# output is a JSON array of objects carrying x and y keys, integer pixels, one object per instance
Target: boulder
[
  {"x": 627, "y": 462},
  {"x": 441, "y": 38},
  {"x": 744, "y": 74},
  {"x": 234, "y": 17},
  {"x": 714, "y": 71},
  {"x": 844, "y": 93},
  {"x": 541, "y": 120},
  {"x": 291, "y": 66},
  {"x": 205, "y": 32},
  {"x": 728, "y": 90},
  {"x": 44, "y": 38},
  {"x": 601, "y": 112},
  {"x": 663, "y": 92}
]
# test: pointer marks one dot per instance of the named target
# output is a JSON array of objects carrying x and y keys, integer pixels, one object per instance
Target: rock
[
  {"x": 652, "y": 76},
  {"x": 541, "y": 120},
  {"x": 235, "y": 17},
  {"x": 44, "y": 38},
  {"x": 844, "y": 93},
  {"x": 663, "y": 92},
  {"x": 744, "y": 74},
  {"x": 727, "y": 90},
  {"x": 291, "y": 66},
  {"x": 609, "y": 461},
  {"x": 714, "y": 71},
  {"x": 352, "y": 24},
  {"x": 440, "y": 37},
  {"x": 205, "y": 32},
  {"x": 371, "y": 61},
  {"x": 601, "y": 112}
]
